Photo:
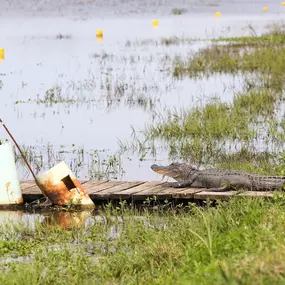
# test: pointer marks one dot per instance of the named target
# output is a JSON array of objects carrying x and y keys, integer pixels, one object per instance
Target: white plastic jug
[{"x": 10, "y": 190}]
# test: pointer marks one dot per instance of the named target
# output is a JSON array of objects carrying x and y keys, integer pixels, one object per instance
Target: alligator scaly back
[{"x": 262, "y": 182}]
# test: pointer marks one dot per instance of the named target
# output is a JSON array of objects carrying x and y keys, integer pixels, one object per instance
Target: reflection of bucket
[
  {"x": 62, "y": 188},
  {"x": 10, "y": 191},
  {"x": 66, "y": 219}
]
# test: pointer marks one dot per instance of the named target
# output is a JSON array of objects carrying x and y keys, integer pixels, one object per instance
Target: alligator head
[{"x": 178, "y": 171}]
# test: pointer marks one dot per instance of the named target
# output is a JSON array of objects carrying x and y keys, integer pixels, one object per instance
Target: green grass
[
  {"x": 263, "y": 56},
  {"x": 241, "y": 241},
  {"x": 178, "y": 11},
  {"x": 267, "y": 62},
  {"x": 211, "y": 133}
]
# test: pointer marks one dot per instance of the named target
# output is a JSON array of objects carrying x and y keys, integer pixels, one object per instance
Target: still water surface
[{"x": 105, "y": 87}]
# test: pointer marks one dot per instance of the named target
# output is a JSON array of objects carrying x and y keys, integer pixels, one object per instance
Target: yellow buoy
[
  {"x": 283, "y": 3},
  {"x": 99, "y": 34},
  {"x": 265, "y": 8},
  {"x": 218, "y": 14},
  {"x": 2, "y": 53},
  {"x": 155, "y": 23}
]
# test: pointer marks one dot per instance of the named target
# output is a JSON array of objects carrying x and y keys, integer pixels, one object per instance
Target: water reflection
[{"x": 64, "y": 219}]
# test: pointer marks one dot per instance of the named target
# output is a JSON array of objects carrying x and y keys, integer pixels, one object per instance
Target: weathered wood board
[{"x": 140, "y": 191}]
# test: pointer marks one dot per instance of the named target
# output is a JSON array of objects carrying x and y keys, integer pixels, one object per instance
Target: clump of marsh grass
[
  {"x": 178, "y": 11},
  {"x": 165, "y": 41},
  {"x": 63, "y": 36},
  {"x": 264, "y": 61},
  {"x": 263, "y": 55},
  {"x": 217, "y": 129}
]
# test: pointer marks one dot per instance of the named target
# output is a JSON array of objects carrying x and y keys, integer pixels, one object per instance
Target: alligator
[{"x": 218, "y": 180}]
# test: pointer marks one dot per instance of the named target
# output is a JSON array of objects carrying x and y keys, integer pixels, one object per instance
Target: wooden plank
[
  {"x": 172, "y": 193},
  {"x": 203, "y": 195},
  {"x": 105, "y": 194},
  {"x": 104, "y": 186},
  {"x": 89, "y": 186},
  {"x": 187, "y": 193},
  {"x": 34, "y": 189},
  {"x": 256, "y": 194},
  {"x": 26, "y": 183},
  {"x": 126, "y": 194},
  {"x": 147, "y": 193}
]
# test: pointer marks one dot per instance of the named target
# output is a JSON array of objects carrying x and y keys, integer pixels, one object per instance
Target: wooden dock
[{"x": 139, "y": 191}]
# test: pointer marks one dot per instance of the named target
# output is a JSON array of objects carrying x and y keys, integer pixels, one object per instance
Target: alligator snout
[
  {"x": 154, "y": 166},
  {"x": 157, "y": 168}
]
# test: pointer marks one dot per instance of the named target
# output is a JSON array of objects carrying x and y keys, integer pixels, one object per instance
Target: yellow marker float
[
  {"x": 218, "y": 14},
  {"x": 283, "y": 3},
  {"x": 155, "y": 23},
  {"x": 99, "y": 35},
  {"x": 2, "y": 54},
  {"x": 265, "y": 8}
]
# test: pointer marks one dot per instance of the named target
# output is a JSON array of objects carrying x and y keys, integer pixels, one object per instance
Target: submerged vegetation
[
  {"x": 236, "y": 242},
  {"x": 86, "y": 164}
]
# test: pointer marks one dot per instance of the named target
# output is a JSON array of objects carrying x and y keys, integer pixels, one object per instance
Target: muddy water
[{"x": 67, "y": 98}]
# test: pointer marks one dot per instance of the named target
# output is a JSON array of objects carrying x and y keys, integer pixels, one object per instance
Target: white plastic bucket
[
  {"x": 10, "y": 190},
  {"x": 62, "y": 187}
]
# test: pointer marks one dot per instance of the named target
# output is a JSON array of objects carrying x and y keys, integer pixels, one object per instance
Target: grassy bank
[{"x": 240, "y": 242}]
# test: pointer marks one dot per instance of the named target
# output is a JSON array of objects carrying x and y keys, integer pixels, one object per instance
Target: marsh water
[
  {"x": 51, "y": 217},
  {"x": 69, "y": 96}
]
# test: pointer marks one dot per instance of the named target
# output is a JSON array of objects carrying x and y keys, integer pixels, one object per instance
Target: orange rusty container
[{"x": 62, "y": 187}]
